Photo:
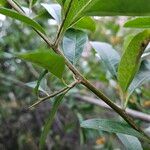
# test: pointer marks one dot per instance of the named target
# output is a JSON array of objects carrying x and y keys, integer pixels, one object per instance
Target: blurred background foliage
[{"x": 20, "y": 127}]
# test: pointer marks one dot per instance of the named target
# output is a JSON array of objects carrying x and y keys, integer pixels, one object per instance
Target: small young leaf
[
  {"x": 110, "y": 126},
  {"x": 108, "y": 55},
  {"x": 142, "y": 22},
  {"x": 130, "y": 142},
  {"x": 49, "y": 121},
  {"x": 22, "y": 18},
  {"x": 131, "y": 58},
  {"x": 86, "y": 23},
  {"x": 46, "y": 59},
  {"x": 54, "y": 10},
  {"x": 73, "y": 44}
]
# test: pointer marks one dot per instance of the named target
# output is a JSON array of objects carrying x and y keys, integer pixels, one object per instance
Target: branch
[
  {"x": 64, "y": 90},
  {"x": 131, "y": 112},
  {"x": 84, "y": 81},
  {"x": 95, "y": 101}
]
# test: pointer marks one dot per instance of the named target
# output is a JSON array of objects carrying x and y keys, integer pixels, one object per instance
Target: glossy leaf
[
  {"x": 46, "y": 59},
  {"x": 110, "y": 126},
  {"x": 143, "y": 22},
  {"x": 78, "y": 9},
  {"x": 131, "y": 58},
  {"x": 117, "y": 7},
  {"x": 49, "y": 121},
  {"x": 54, "y": 10},
  {"x": 108, "y": 55},
  {"x": 22, "y": 18},
  {"x": 130, "y": 142},
  {"x": 73, "y": 44}
]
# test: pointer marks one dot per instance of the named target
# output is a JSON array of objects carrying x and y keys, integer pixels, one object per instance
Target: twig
[
  {"x": 64, "y": 90},
  {"x": 48, "y": 97},
  {"x": 86, "y": 83},
  {"x": 134, "y": 113}
]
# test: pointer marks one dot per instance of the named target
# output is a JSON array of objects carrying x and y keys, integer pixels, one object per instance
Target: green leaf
[
  {"x": 110, "y": 126},
  {"x": 49, "y": 121},
  {"x": 117, "y": 7},
  {"x": 79, "y": 8},
  {"x": 142, "y": 22},
  {"x": 73, "y": 44},
  {"x": 22, "y": 18},
  {"x": 82, "y": 135},
  {"x": 131, "y": 58},
  {"x": 86, "y": 23},
  {"x": 46, "y": 59},
  {"x": 130, "y": 142},
  {"x": 127, "y": 40},
  {"x": 43, "y": 14},
  {"x": 108, "y": 55},
  {"x": 54, "y": 10}
]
